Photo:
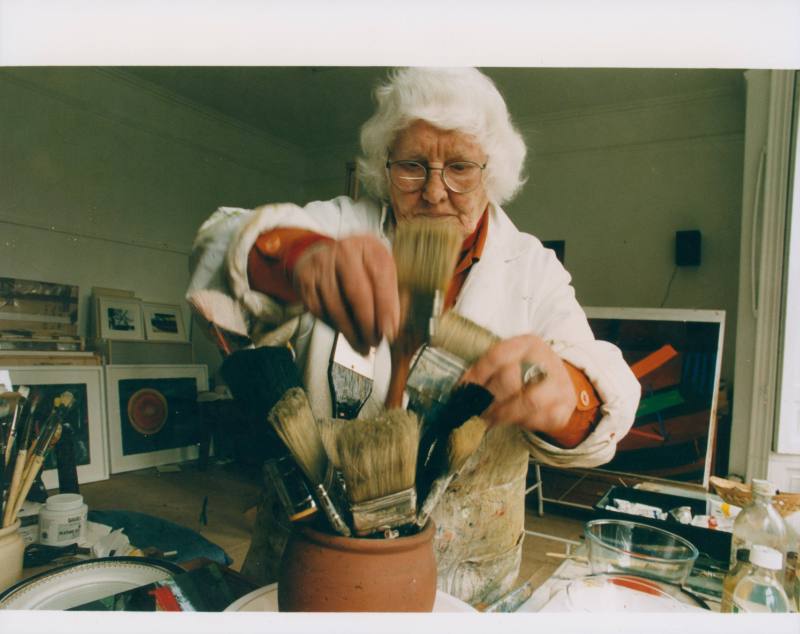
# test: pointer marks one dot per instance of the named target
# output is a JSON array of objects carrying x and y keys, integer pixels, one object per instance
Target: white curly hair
[{"x": 462, "y": 99}]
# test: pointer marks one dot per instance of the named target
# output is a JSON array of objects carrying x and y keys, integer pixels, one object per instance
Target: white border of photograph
[
  {"x": 92, "y": 377},
  {"x": 152, "y": 332},
  {"x": 104, "y": 329},
  {"x": 115, "y": 373}
]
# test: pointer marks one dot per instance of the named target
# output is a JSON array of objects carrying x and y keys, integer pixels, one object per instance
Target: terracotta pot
[
  {"x": 329, "y": 573},
  {"x": 12, "y": 548}
]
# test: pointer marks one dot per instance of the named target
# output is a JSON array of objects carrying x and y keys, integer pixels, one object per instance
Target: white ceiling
[{"x": 320, "y": 106}]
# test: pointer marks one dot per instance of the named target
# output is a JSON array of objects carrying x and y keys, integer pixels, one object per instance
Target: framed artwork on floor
[
  {"x": 86, "y": 419},
  {"x": 119, "y": 318},
  {"x": 163, "y": 322},
  {"x": 153, "y": 416}
]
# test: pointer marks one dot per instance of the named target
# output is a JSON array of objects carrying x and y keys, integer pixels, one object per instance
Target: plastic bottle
[
  {"x": 791, "y": 581},
  {"x": 760, "y": 590},
  {"x": 759, "y": 523},
  {"x": 733, "y": 577}
]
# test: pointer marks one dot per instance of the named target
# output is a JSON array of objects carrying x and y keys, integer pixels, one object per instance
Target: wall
[
  {"x": 617, "y": 182},
  {"x": 105, "y": 180}
]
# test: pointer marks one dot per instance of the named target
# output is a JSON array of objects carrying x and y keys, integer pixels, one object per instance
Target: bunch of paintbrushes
[{"x": 30, "y": 448}]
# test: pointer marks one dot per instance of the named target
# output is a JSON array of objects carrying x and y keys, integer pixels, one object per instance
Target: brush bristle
[
  {"x": 462, "y": 337},
  {"x": 328, "y": 431},
  {"x": 294, "y": 422},
  {"x": 464, "y": 441},
  {"x": 378, "y": 456},
  {"x": 425, "y": 254}
]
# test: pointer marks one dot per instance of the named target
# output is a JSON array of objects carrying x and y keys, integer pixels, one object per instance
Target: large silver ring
[{"x": 532, "y": 373}]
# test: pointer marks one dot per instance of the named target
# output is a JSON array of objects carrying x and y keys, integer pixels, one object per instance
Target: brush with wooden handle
[
  {"x": 377, "y": 457},
  {"x": 34, "y": 465},
  {"x": 461, "y": 444},
  {"x": 29, "y": 411},
  {"x": 425, "y": 254},
  {"x": 18, "y": 398},
  {"x": 30, "y": 461}
]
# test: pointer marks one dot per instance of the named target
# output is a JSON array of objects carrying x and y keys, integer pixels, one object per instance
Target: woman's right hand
[{"x": 351, "y": 284}]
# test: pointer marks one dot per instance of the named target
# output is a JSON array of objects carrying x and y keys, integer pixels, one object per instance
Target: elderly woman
[{"x": 440, "y": 146}]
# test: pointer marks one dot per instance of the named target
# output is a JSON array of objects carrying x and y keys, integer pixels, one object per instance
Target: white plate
[
  {"x": 266, "y": 600},
  {"x": 76, "y": 584}
]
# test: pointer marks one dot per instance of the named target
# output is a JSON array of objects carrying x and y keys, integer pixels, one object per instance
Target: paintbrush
[
  {"x": 465, "y": 401},
  {"x": 464, "y": 338},
  {"x": 38, "y": 457},
  {"x": 17, "y": 398},
  {"x": 461, "y": 444},
  {"x": 378, "y": 459},
  {"x": 29, "y": 461},
  {"x": 425, "y": 254},
  {"x": 294, "y": 422},
  {"x": 29, "y": 410}
]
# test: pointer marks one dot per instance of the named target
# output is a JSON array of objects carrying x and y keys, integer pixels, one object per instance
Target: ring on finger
[{"x": 532, "y": 373}]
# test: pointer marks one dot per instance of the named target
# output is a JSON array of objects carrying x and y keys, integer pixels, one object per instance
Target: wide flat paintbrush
[
  {"x": 464, "y": 338},
  {"x": 378, "y": 459},
  {"x": 425, "y": 253},
  {"x": 294, "y": 422},
  {"x": 461, "y": 444}
]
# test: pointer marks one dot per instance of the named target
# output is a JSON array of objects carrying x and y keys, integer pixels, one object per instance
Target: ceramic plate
[
  {"x": 620, "y": 593},
  {"x": 266, "y": 600},
  {"x": 74, "y": 584}
]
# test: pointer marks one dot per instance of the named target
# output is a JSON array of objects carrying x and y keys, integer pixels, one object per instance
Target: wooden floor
[{"x": 230, "y": 511}]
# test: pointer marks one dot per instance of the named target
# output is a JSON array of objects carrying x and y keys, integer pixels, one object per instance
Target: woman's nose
[{"x": 435, "y": 190}]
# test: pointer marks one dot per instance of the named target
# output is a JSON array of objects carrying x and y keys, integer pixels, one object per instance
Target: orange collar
[{"x": 472, "y": 247}]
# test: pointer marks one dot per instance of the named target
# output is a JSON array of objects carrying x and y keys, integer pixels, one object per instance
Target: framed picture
[
  {"x": 163, "y": 322},
  {"x": 119, "y": 318},
  {"x": 86, "y": 419},
  {"x": 153, "y": 416}
]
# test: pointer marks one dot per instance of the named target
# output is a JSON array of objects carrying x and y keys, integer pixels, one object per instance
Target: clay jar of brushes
[
  {"x": 320, "y": 572},
  {"x": 12, "y": 548}
]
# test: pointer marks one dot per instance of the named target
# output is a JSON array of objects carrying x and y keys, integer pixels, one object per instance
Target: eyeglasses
[{"x": 460, "y": 177}]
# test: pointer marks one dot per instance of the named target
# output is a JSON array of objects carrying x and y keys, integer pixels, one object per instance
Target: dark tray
[{"x": 711, "y": 543}]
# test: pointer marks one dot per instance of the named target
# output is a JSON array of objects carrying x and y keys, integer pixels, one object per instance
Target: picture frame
[
  {"x": 119, "y": 318},
  {"x": 87, "y": 417},
  {"x": 153, "y": 415},
  {"x": 163, "y": 322}
]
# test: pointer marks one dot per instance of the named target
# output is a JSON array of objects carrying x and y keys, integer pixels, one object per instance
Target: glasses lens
[
  {"x": 407, "y": 176},
  {"x": 462, "y": 176}
]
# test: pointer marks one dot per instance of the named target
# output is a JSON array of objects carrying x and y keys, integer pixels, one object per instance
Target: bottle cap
[
  {"x": 763, "y": 487},
  {"x": 64, "y": 502},
  {"x": 765, "y": 557}
]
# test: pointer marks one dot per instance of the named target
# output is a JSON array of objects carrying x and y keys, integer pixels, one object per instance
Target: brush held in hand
[{"x": 425, "y": 254}]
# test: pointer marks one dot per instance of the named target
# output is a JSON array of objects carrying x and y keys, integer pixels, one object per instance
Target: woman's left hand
[{"x": 545, "y": 406}]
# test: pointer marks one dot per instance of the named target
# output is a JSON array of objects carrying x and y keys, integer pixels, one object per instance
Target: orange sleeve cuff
[
  {"x": 585, "y": 415},
  {"x": 271, "y": 261}
]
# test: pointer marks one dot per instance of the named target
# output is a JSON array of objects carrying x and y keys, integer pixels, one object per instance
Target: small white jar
[{"x": 62, "y": 520}]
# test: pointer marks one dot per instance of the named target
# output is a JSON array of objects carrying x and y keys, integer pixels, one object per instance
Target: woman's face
[{"x": 434, "y": 147}]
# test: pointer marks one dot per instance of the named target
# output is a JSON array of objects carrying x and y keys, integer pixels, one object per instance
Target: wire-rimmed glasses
[{"x": 460, "y": 177}]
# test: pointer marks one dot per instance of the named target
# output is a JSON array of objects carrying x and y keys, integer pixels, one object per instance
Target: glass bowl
[{"x": 638, "y": 549}]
